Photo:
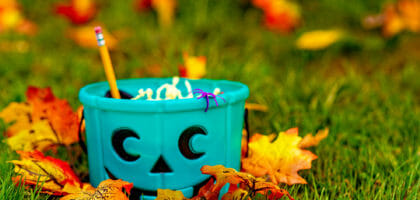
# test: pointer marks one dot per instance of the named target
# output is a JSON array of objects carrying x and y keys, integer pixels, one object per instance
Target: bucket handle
[{"x": 81, "y": 142}]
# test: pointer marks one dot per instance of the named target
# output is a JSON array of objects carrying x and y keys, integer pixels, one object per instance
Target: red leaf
[{"x": 78, "y": 11}]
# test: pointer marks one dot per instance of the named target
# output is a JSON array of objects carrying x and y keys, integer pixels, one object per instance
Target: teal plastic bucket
[{"x": 162, "y": 144}]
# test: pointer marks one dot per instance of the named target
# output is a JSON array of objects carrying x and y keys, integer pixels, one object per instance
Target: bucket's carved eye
[
  {"x": 117, "y": 143},
  {"x": 184, "y": 142}
]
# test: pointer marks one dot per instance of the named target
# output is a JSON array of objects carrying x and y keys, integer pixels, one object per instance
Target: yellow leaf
[
  {"x": 318, "y": 39},
  {"x": 51, "y": 174},
  {"x": 11, "y": 18},
  {"x": 166, "y": 194},
  {"x": 107, "y": 190},
  {"x": 165, "y": 10},
  {"x": 309, "y": 140},
  {"x": 39, "y": 136},
  {"x": 194, "y": 67},
  {"x": 281, "y": 159},
  {"x": 19, "y": 115}
]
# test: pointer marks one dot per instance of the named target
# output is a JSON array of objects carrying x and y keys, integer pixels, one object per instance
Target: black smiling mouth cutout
[
  {"x": 161, "y": 166},
  {"x": 136, "y": 192}
]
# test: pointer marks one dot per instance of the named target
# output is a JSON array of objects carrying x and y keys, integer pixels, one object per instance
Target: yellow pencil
[{"x": 106, "y": 60}]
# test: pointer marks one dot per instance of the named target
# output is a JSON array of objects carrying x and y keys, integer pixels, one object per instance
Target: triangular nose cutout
[{"x": 161, "y": 166}]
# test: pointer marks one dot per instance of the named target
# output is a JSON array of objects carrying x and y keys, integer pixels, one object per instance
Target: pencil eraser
[{"x": 98, "y": 30}]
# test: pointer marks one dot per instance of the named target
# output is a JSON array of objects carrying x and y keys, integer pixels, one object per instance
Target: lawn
[{"x": 366, "y": 88}]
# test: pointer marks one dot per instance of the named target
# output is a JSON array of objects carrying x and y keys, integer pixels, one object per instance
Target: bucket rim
[{"x": 90, "y": 98}]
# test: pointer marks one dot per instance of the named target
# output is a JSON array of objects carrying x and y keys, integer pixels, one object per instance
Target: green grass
[{"x": 366, "y": 89}]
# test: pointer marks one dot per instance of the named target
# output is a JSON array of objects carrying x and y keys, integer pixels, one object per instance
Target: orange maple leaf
[
  {"x": 107, "y": 190},
  {"x": 85, "y": 37},
  {"x": 248, "y": 183},
  {"x": 53, "y": 175},
  {"x": 63, "y": 120},
  {"x": 206, "y": 192},
  {"x": 11, "y": 18},
  {"x": 410, "y": 12},
  {"x": 42, "y": 122},
  {"x": 281, "y": 159},
  {"x": 249, "y": 186},
  {"x": 309, "y": 140},
  {"x": 279, "y": 15},
  {"x": 223, "y": 176},
  {"x": 235, "y": 192},
  {"x": 403, "y": 15}
]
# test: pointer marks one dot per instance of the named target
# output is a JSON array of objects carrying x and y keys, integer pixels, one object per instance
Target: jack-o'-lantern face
[{"x": 165, "y": 151}]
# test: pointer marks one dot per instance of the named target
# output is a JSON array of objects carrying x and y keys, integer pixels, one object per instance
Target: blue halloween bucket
[{"x": 162, "y": 144}]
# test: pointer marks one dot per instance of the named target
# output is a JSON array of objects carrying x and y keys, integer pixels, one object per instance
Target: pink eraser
[{"x": 98, "y": 30}]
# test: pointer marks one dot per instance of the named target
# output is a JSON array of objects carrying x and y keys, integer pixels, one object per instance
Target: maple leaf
[
  {"x": 404, "y": 15},
  {"x": 85, "y": 37},
  {"x": 223, "y": 176},
  {"x": 77, "y": 11},
  {"x": 166, "y": 194},
  {"x": 236, "y": 193},
  {"x": 64, "y": 122},
  {"x": 44, "y": 121},
  {"x": 410, "y": 12},
  {"x": 18, "y": 115},
  {"x": 319, "y": 39},
  {"x": 194, "y": 67},
  {"x": 107, "y": 190},
  {"x": 39, "y": 136},
  {"x": 53, "y": 175},
  {"x": 270, "y": 190},
  {"x": 279, "y": 15},
  {"x": 143, "y": 5},
  {"x": 249, "y": 186},
  {"x": 165, "y": 10},
  {"x": 309, "y": 140},
  {"x": 206, "y": 192},
  {"x": 281, "y": 159},
  {"x": 393, "y": 22},
  {"x": 11, "y": 18}
]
